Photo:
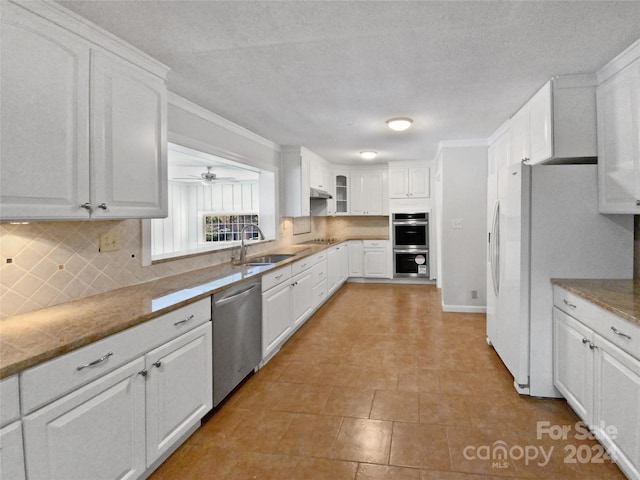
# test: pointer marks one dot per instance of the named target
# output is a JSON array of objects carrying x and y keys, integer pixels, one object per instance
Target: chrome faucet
[{"x": 243, "y": 245}]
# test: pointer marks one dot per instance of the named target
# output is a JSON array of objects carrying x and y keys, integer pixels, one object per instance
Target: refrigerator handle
[{"x": 494, "y": 249}]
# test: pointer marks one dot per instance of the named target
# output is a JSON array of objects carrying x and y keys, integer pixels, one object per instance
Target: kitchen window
[{"x": 210, "y": 200}]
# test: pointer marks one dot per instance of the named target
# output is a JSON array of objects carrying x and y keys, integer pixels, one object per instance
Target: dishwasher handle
[{"x": 228, "y": 299}]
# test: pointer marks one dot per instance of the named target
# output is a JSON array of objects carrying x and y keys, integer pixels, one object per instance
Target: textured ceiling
[{"x": 328, "y": 74}]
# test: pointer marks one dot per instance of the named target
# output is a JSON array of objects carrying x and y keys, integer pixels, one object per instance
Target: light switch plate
[
  {"x": 109, "y": 242},
  {"x": 456, "y": 223}
]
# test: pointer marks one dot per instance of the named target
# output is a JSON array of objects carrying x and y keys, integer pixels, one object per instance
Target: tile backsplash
[{"x": 47, "y": 263}]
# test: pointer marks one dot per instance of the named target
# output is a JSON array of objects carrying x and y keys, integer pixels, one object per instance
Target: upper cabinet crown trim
[
  {"x": 625, "y": 58},
  {"x": 90, "y": 31},
  {"x": 184, "y": 104}
]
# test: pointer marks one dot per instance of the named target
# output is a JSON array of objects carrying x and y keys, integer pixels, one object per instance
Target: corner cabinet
[
  {"x": 596, "y": 366},
  {"x": 84, "y": 127},
  {"x": 618, "y": 97},
  {"x": 369, "y": 192},
  {"x": 558, "y": 122}
]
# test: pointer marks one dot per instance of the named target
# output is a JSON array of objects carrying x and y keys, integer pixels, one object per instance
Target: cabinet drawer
[
  {"x": 320, "y": 293},
  {"x": 374, "y": 243},
  {"x": 601, "y": 321},
  {"x": 319, "y": 272},
  {"x": 305, "y": 264},
  {"x": 46, "y": 382},
  {"x": 9, "y": 400},
  {"x": 276, "y": 277}
]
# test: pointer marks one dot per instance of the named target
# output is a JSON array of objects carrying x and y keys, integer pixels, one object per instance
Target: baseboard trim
[{"x": 463, "y": 309}]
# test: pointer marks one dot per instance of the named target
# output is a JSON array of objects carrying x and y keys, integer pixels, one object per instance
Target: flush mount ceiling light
[
  {"x": 368, "y": 154},
  {"x": 399, "y": 124}
]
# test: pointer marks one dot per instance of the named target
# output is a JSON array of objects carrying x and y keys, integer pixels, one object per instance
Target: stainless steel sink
[{"x": 269, "y": 259}]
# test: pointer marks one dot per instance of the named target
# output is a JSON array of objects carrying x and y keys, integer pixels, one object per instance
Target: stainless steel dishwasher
[{"x": 237, "y": 336}]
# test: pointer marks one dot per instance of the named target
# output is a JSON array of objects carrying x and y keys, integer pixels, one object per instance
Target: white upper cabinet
[
  {"x": 557, "y": 123},
  {"x": 318, "y": 177},
  {"x": 44, "y": 105},
  {"x": 619, "y": 133},
  {"x": 80, "y": 128},
  {"x": 129, "y": 140},
  {"x": 296, "y": 185},
  {"x": 369, "y": 192},
  {"x": 408, "y": 182}
]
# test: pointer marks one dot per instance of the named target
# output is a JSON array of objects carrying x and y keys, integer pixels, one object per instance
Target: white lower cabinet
[
  {"x": 114, "y": 420},
  {"x": 11, "y": 452},
  {"x": 337, "y": 267},
  {"x": 374, "y": 259},
  {"x": 179, "y": 389},
  {"x": 600, "y": 379},
  {"x": 355, "y": 258},
  {"x": 301, "y": 297},
  {"x": 276, "y": 317},
  {"x": 96, "y": 432}
]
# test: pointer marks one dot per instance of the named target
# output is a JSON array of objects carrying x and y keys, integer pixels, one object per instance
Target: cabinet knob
[
  {"x": 86, "y": 206},
  {"x": 592, "y": 346},
  {"x": 584, "y": 340},
  {"x": 103, "y": 206},
  {"x": 638, "y": 203},
  {"x": 143, "y": 372},
  {"x": 157, "y": 364}
]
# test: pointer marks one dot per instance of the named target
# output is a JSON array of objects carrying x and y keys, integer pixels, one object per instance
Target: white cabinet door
[
  {"x": 375, "y": 262},
  {"x": 276, "y": 317},
  {"x": 96, "y": 432},
  {"x": 540, "y": 126},
  {"x": 179, "y": 388},
  {"x": 343, "y": 262},
  {"x": 129, "y": 140},
  {"x": 398, "y": 183},
  {"x": 418, "y": 182},
  {"x": 374, "y": 190},
  {"x": 11, "y": 452},
  {"x": 355, "y": 258},
  {"x": 302, "y": 297},
  {"x": 44, "y": 149},
  {"x": 617, "y": 404},
  {"x": 342, "y": 196},
  {"x": 618, "y": 100},
  {"x": 333, "y": 269},
  {"x": 358, "y": 194},
  {"x": 573, "y": 363},
  {"x": 519, "y": 127},
  {"x": 317, "y": 175}
]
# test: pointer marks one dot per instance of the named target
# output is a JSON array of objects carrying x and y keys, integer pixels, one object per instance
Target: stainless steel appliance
[
  {"x": 410, "y": 232},
  {"x": 237, "y": 336}
]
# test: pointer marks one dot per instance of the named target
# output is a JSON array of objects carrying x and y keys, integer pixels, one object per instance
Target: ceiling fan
[{"x": 207, "y": 178}]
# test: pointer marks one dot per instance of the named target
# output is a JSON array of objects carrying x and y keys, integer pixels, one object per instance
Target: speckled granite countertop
[
  {"x": 35, "y": 337},
  {"x": 621, "y": 297}
]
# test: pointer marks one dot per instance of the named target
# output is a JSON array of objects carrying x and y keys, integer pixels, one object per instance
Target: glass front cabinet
[{"x": 342, "y": 193}]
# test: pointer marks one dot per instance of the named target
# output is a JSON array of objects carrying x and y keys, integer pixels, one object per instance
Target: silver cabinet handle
[
  {"x": 86, "y": 206},
  {"x": 584, "y": 340},
  {"x": 95, "y": 362},
  {"x": 303, "y": 265},
  {"x": 278, "y": 277},
  {"x": 103, "y": 206},
  {"x": 190, "y": 317},
  {"x": 157, "y": 364},
  {"x": 620, "y": 334},
  {"x": 569, "y": 304}
]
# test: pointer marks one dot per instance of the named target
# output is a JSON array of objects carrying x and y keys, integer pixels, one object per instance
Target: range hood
[{"x": 316, "y": 194}]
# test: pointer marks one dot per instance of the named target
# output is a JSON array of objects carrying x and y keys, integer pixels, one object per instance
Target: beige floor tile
[
  {"x": 420, "y": 446},
  {"x": 303, "y": 398},
  {"x": 349, "y": 402},
  {"x": 260, "y": 431},
  {"x": 369, "y": 471},
  {"x": 262, "y": 466},
  {"x": 396, "y": 405},
  {"x": 310, "y": 435},
  {"x": 363, "y": 440},
  {"x": 443, "y": 409},
  {"x": 324, "y": 469}
]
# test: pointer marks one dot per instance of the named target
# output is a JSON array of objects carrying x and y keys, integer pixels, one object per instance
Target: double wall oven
[{"x": 410, "y": 233}]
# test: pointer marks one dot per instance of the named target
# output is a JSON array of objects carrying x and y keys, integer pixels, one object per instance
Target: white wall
[{"x": 462, "y": 250}]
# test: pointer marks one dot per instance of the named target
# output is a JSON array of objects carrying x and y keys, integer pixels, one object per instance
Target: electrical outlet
[
  {"x": 474, "y": 294},
  {"x": 109, "y": 242},
  {"x": 456, "y": 223}
]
